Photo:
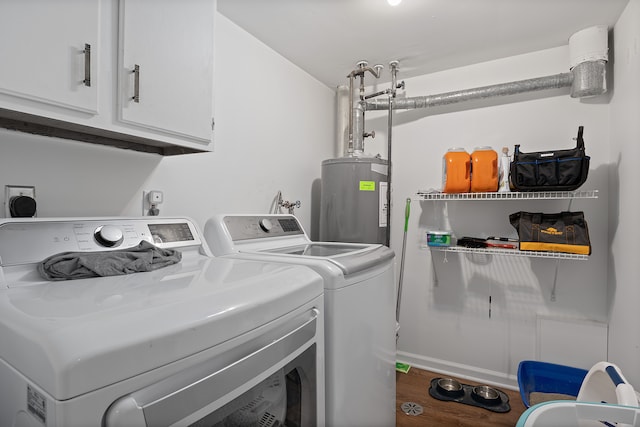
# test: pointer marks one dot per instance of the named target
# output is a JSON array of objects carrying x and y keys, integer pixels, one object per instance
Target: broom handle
[{"x": 407, "y": 212}]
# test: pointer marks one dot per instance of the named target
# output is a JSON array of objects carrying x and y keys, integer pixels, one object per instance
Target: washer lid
[
  {"x": 349, "y": 257},
  {"x": 76, "y": 336},
  {"x": 318, "y": 249}
]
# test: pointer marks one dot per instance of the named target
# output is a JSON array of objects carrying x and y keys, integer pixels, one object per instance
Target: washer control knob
[
  {"x": 266, "y": 224},
  {"x": 108, "y": 235}
]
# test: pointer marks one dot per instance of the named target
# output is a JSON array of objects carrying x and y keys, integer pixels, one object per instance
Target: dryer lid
[{"x": 73, "y": 337}]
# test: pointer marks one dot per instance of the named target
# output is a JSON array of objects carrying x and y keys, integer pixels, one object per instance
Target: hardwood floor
[{"x": 414, "y": 387}]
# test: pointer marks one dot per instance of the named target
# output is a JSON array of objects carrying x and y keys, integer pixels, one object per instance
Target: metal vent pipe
[
  {"x": 503, "y": 89},
  {"x": 585, "y": 79}
]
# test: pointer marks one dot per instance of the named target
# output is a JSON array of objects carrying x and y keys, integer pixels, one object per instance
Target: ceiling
[{"x": 326, "y": 38}]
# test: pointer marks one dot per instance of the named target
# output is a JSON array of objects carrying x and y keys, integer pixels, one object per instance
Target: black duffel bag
[
  {"x": 554, "y": 232},
  {"x": 559, "y": 170}
]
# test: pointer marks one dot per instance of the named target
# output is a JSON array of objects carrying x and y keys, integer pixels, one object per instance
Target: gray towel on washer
[{"x": 82, "y": 265}]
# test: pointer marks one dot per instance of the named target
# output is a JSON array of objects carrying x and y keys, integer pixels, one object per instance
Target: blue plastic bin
[{"x": 546, "y": 377}]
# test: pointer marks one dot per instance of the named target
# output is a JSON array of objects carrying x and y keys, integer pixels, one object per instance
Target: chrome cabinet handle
[
  {"x": 87, "y": 65},
  {"x": 136, "y": 83}
]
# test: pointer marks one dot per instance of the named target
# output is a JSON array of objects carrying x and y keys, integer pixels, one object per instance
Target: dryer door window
[{"x": 283, "y": 399}]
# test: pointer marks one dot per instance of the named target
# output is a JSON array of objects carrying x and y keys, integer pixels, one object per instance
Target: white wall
[
  {"x": 624, "y": 175},
  {"x": 445, "y": 324},
  {"x": 274, "y": 126}
]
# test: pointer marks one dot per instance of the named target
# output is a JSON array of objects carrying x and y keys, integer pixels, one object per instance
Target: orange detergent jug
[
  {"x": 484, "y": 170},
  {"x": 456, "y": 171}
]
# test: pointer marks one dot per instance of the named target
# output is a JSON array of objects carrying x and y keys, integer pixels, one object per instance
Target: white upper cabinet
[
  {"x": 67, "y": 71},
  {"x": 165, "y": 66},
  {"x": 49, "y": 52}
]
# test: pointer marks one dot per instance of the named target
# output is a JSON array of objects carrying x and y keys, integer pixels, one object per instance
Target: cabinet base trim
[{"x": 29, "y": 123}]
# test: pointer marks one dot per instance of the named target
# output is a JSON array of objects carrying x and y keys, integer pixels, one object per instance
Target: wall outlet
[{"x": 11, "y": 191}]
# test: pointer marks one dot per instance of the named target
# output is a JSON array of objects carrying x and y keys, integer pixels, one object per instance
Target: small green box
[
  {"x": 403, "y": 367},
  {"x": 438, "y": 238}
]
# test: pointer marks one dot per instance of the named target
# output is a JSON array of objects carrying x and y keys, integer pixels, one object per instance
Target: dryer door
[{"x": 267, "y": 381}]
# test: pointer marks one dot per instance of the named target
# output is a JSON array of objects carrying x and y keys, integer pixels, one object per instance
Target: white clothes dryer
[
  {"x": 202, "y": 342},
  {"x": 359, "y": 292}
]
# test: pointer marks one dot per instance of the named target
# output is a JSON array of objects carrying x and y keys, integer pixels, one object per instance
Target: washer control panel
[
  {"x": 28, "y": 241},
  {"x": 245, "y": 227}
]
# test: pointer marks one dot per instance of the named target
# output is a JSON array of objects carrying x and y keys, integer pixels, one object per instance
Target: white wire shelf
[
  {"x": 507, "y": 252},
  {"x": 514, "y": 195}
]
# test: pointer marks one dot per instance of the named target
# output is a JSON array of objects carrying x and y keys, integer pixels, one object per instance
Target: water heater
[{"x": 353, "y": 202}]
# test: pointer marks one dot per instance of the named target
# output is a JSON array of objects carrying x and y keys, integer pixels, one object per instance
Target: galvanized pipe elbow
[{"x": 358, "y": 126}]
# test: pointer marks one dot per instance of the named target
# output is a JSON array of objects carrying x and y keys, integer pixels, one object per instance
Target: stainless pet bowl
[
  {"x": 449, "y": 387},
  {"x": 485, "y": 394}
]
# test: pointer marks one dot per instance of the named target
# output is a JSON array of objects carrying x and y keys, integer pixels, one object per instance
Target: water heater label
[
  {"x": 367, "y": 186},
  {"x": 383, "y": 205}
]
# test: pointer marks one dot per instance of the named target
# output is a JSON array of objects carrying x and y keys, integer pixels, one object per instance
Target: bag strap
[
  {"x": 536, "y": 218},
  {"x": 579, "y": 140},
  {"x": 516, "y": 150},
  {"x": 567, "y": 218}
]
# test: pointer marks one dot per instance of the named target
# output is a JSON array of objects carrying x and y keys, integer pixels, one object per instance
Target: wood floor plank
[{"x": 414, "y": 387}]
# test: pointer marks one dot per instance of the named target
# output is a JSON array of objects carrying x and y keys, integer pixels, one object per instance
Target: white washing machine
[
  {"x": 359, "y": 308},
  {"x": 202, "y": 342}
]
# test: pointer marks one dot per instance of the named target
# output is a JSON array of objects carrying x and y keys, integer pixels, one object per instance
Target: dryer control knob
[
  {"x": 108, "y": 235},
  {"x": 266, "y": 224}
]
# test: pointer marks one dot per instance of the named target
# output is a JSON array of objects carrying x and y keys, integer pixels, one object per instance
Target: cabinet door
[
  {"x": 169, "y": 44},
  {"x": 42, "y": 46}
]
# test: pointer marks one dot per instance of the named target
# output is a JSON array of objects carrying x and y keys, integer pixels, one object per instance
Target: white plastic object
[
  {"x": 605, "y": 383},
  {"x": 155, "y": 197},
  {"x": 570, "y": 413},
  {"x": 503, "y": 171},
  {"x": 589, "y": 44}
]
